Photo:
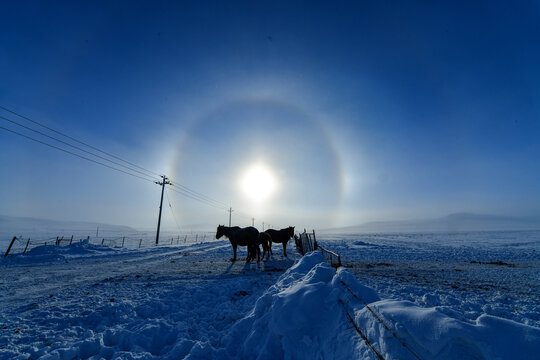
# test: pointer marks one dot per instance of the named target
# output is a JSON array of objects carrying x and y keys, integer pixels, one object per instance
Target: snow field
[
  {"x": 191, "y": 302},
  {"x": 465, "y": 274},
  {"x": 302, "y": 317},
  {"x": 90, "y": 302}
]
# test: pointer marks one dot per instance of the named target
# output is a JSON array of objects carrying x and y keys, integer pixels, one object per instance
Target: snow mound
[
  {"x": 434, "y": 335},
  {"x": 299, "y": 317},
  {"x": 305, "y": 315}
]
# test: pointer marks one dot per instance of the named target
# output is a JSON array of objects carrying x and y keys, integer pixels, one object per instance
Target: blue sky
[{"x": 362, "y": 110}]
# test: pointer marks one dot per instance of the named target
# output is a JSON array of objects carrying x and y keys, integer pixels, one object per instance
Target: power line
[
  {"x": 186, "y": 194},
  {"x": 74, "y": 154},
  {"x": 172, "y": 211},
  {"x": 180, "y": 189},
  {"x": 75, "y": 147},
  {"x": 212, "y": 203},
  {"x": 78, "y": 141},
  {"x": 199, "y": 195}
]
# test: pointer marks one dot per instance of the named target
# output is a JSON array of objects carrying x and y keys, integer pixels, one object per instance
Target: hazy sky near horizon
[{"x": 360, "y": 111}]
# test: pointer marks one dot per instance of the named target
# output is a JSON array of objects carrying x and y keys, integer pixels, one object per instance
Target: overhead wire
[
  {"x": 213, "y": 203},
  {"x": 76, "y": 140},
  {"x": 178, "y": 188},
  {"x": 75, "y": 147},
  {"x": 198, "y": 195},
  {"x": 186, "y": 194},
  {"x": 172, "y": 211},
  {"x": 74, "y": 154}
]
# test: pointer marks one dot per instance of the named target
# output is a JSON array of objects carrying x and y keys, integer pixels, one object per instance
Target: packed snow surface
[{"x": 399, "y": 297}]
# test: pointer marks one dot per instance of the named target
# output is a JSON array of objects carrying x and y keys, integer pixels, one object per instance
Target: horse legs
[
  {"x": 249, "y": 253},
  {"x": 285, "y": 249},
  {"x": 234, "y": 251},
  {"x": 253, "y": 252}
]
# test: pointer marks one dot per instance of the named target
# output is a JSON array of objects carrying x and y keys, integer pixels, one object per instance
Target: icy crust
[{"x": 303, "y": 316}]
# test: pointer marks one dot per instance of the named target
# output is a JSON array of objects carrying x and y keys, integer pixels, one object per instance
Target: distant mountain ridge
[
  {"x": 452, "y": 222},
  {"x": 16, "y": 224}
]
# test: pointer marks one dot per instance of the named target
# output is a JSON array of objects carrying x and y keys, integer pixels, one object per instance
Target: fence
[
  {"x": 21, "y": 245},
  {"x": 307, "y": 242}
]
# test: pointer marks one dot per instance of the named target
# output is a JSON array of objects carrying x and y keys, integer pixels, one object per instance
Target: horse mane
[{"x": 228, "y": 231}]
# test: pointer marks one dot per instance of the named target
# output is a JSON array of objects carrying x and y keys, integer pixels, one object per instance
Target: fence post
[
  {"x": 123, "y": 239},
  {"x": 71, "y": 241},
  {"x": 27, "y": 243},
  {"x": 185, "y": 238},
  {"x": 56, "y": 240},
  {"x": 172, "y": 240},
  {"x": 140, "y": 241},
  {"x": 10, "y": 245},
  {"x": 102, "y": 241}
]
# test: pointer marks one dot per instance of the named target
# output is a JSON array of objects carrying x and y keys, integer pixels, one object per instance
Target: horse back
[
  {"x": 278, "y": 236},
  {"x": 246, "y": 236}
]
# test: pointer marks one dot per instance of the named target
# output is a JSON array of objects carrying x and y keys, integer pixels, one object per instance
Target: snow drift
[{"x": 303, "y": 316}]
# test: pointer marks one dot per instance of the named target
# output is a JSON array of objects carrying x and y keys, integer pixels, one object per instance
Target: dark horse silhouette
[
  {"x": 248, "y": 236},
  {"x": 281, "y": 236},
  {"x": 265, "y": 240}
]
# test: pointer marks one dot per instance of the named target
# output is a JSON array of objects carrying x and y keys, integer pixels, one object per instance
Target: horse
[
  {"x": 248, "y": 236},
  {"x": 253, "y": 251},
  {"x": 281, "y": 236},
  {"x": 265, "y": 240}
]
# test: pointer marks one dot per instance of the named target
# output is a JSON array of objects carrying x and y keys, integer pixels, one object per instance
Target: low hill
[
  {"x": 452, "y": 222},
  {"x": 13, "y": 225}
]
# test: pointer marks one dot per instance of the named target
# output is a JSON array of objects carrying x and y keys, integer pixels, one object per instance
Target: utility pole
[
  {"x": 164, "y": 182},
  {"x": 230, "y": 212},
  {"x": 263, "y": 225},
  {"x": 252, "y": 221}
]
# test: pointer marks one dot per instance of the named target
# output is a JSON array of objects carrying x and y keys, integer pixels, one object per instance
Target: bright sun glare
[{"x": 258, "y": 182}]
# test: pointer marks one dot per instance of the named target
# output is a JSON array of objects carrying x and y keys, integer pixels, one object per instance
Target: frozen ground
[{"x": 447, "y": 296}]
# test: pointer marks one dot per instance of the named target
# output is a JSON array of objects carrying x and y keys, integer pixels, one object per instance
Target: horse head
[
  {"x": 290, "y": 231},
  {"x": 219, "y": 232}
]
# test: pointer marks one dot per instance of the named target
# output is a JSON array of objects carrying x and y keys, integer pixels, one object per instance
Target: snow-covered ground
[
  {"x": 496, "y": 273},
  {"x": 428, "y": 296}
]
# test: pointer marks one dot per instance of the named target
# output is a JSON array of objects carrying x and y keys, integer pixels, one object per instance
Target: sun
[{"x": 258, "y": 182}]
